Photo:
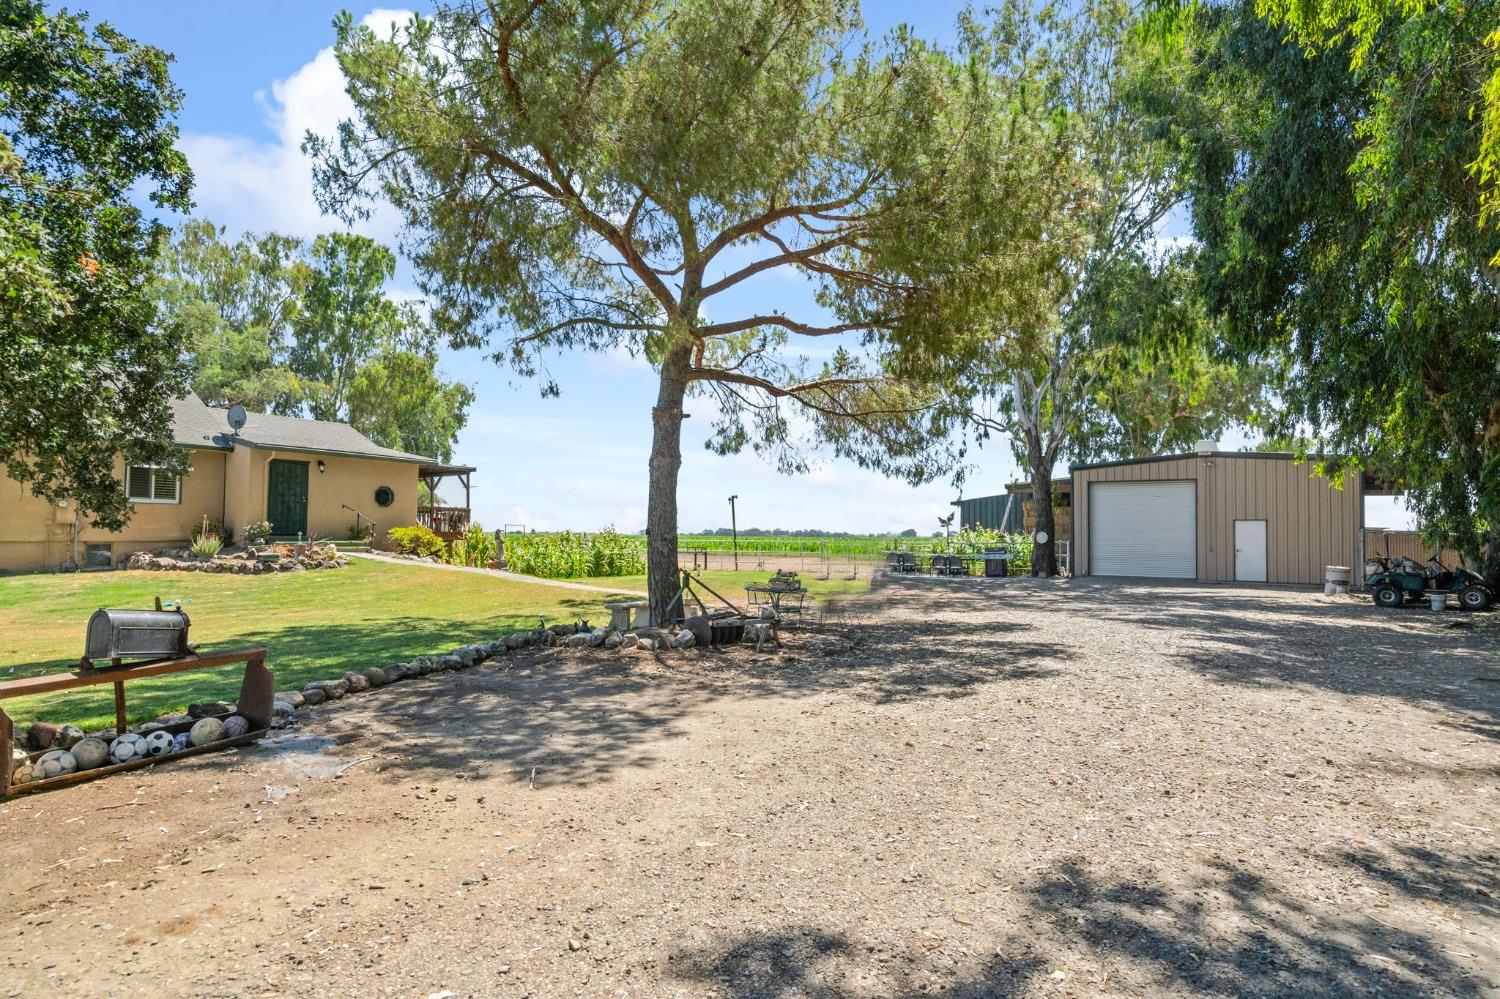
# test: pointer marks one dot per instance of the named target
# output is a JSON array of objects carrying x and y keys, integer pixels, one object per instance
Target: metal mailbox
[{"x": 136, "y": 634}]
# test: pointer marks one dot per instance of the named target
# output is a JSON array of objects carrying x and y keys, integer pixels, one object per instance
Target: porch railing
[{"x": 444, "y": 519}]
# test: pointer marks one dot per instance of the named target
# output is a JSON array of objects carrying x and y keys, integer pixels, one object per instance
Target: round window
[{"x": 385, "y": 496}]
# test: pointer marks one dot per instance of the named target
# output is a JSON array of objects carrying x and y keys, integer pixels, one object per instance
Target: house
[
  {"x": 306, "y": 477},
  {"x": 1248, "y": 516},
  {"x": 1014, "y": 511}
]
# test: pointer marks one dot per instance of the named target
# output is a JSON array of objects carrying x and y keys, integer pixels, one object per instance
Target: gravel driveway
[{"x": 975, "y": 788}]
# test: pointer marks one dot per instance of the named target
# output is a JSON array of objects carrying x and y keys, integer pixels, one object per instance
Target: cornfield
[{"x": 567, "y": 555}]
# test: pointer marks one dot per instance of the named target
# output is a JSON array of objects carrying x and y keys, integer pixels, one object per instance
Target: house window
[
  {"x": 150, "y": 484},
  {"x": 385, "y": 496},
  {"x": 99, "y": 556}
]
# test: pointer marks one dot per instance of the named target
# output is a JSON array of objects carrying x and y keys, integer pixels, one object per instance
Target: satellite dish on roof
[{"x": 237, "y": 417}]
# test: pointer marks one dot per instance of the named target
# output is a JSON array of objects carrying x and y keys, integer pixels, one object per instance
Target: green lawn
[
  {"x": 732, "y": 584},
  {"x": 315, "y": 625}
]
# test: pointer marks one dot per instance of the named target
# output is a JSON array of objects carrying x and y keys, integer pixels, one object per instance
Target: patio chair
[{"x": 908, "y": 562}]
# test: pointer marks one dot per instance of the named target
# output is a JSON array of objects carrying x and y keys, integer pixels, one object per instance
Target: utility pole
[{"x": 734, "y": 530}]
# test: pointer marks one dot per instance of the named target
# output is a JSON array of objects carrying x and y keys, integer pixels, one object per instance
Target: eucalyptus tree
[
  {"x": 87, "y": 133},
  {"x": 594, "y": 174},
  {"x": 1340, "y": 219}
]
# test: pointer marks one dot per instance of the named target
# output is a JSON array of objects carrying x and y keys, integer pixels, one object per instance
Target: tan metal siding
[{"x": 1309, "y": 522}]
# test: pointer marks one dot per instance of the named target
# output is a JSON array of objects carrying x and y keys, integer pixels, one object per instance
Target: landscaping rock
[
  {"x": 614, "y": 640},
  {"x": 41, "y": 735},
  {"x": 68, "y": 736},
  {"x": 597, "y": 637},
  {"x": 703, "y": 633},
  {"x": 513, "y": 642},
  {"x": 375, "y": 675},
  {"x": 358, "y": 682},
  {"x": 451, "y": 662},
  {"x": 173, "y": 719},
  {"x": 312, "y": 696},
  {"x": 210, "y": 709},
  {"x": 149, "y": 727},
  {"x": 466, "y": 656},
  {"x": 645, "y": 644},
  {"x": 334, "y": 689},
  {"x": 578, "y": 641},
  {"x": 292, "y": 697},
  {"x": 281, "y": 709},
  {"x": 394, "y": 672},
  {"x": 685, "y": 639},
  {"x": 629, "y": 640},
  {"x": 495, "y": 648}
]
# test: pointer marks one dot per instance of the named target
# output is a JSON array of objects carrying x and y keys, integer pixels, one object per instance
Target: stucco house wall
[{"x": 36, "y": 535}]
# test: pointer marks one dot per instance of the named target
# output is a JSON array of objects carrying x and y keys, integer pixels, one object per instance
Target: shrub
[
  {"x": 974, "y": 540},
  {"x": 207, "y": 544},
  {"x": 416, "y": 540},
  {"x": 564, "y": 555},
  {"x": 477, "y": 548},
  {"x": 361, "y": 532},
  {"x": 257, "y": 532}
]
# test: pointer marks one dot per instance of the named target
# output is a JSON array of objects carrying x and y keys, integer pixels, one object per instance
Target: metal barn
[{"x": 1230, "y": 516}]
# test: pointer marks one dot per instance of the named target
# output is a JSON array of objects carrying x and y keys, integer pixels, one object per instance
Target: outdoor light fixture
[{"x": 322, "y": 467}]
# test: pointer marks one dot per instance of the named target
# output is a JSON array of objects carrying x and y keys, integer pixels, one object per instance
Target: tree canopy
[
  {"x": 1342, "y": 237},
  {"x": 574, "y": 175},
  {"x": 300, "y": 329},
  {"x": 86, "y": 121}
]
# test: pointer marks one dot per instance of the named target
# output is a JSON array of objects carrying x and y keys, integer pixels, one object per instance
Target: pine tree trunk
[
  {"x": 661, "y": 496},
  {"x": 1043, "y": 556}
]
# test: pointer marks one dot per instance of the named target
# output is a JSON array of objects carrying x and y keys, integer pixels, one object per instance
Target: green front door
[{"x": 286, "y": 498}]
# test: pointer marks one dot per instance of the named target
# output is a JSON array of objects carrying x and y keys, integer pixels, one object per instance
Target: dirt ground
[{"x": 974, "y": 788}]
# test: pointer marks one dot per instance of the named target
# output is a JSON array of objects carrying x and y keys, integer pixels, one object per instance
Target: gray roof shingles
[{"x": 197, "y": 425}]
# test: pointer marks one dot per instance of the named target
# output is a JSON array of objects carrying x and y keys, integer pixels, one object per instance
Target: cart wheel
[
  {"x": 1473, "y": 598},
  {"x": 1387, "y": 595}
]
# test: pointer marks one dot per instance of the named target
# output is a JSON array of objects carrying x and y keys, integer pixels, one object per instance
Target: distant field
[{"x": 864, "y": 546}]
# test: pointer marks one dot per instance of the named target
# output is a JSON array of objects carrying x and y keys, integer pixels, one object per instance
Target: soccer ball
[
  {"x": 235, "y": 726},
  {"x": 127, "y": 747},
  {"x": 54, "y": 764},
  {"x": 159, "y": 743},
  {"x": 206, "y": 730},
  {"x": 22, "y": 774},
  {"x": 180, "y": 741},
  {"x": 90, "y": 753}
]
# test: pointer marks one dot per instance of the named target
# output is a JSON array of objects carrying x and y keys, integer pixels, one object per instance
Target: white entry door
[{"x": 1250, "y": 551}]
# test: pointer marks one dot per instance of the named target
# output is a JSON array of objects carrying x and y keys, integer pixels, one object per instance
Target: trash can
[{"x": 995, "y": 563}]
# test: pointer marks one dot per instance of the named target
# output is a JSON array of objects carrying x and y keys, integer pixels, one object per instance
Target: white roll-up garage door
[{"x": 1143, "y": 529}]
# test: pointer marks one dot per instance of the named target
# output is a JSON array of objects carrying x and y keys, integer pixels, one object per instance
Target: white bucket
[
  {"x": 1439, "y": 601},
  {"x": 1336, "y": 574}
]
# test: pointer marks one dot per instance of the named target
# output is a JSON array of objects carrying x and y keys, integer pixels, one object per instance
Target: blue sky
[{"x": 258, "y": 75}]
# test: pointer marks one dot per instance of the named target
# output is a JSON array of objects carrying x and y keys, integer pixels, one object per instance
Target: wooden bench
[
  {"x": 623, "y": 618},
  {"x": 257, "y": 693}
]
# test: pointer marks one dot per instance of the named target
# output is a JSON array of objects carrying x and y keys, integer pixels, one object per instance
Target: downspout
[{"x": 224, "y": 497}]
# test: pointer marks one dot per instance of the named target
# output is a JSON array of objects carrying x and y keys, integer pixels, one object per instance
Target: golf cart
[{"x": 1399, "y": 581}]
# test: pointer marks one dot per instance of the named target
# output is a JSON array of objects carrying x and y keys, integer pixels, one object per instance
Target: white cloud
[{"x": 251, "y": 185}]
